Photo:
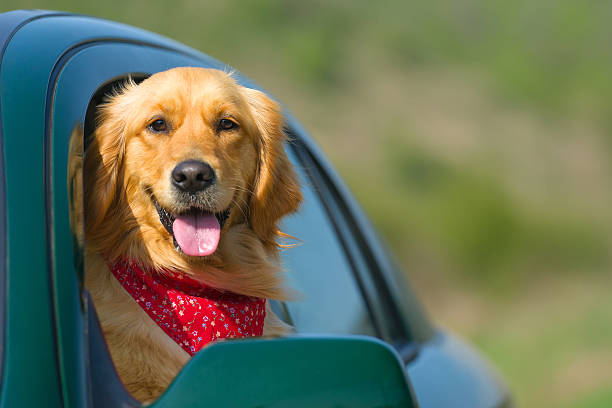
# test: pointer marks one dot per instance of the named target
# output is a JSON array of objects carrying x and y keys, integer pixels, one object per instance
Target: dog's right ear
[
  {"x": 103, "y": 162},
  {"x": 276, "y": 190}
]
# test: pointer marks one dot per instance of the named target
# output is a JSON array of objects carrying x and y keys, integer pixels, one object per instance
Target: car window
[{"x": 329, "y": 298}]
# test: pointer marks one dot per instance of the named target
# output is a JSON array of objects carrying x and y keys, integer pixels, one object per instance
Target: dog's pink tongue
[{"x": 197, "y": 234}]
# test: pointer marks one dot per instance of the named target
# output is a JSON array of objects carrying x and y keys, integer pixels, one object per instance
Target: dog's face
[
  {"x": 181, "y": 158},
  {"x": 192, "y": 150}
]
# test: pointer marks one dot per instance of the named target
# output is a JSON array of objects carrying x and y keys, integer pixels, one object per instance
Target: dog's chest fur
[{"x": 145, "y": 357}]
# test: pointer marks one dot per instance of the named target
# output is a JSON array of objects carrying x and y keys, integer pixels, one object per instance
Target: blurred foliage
[
  {"x": 471, "y": 217},
  {"x": 551, "y": 53},
  {"x": 516, "y": 205},
  {"x": 601, "y": 399}
]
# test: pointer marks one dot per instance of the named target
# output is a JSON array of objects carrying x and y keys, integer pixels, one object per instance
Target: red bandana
[{"x": 190, "y": 312}]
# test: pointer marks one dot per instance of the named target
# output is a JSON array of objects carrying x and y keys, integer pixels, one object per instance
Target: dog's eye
[
  {"x": 158, "y": 126},
  {"x": 226, "y": 124}
]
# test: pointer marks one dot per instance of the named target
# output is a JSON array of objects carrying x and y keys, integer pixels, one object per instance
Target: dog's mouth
[{"x": 195, "y": 232}]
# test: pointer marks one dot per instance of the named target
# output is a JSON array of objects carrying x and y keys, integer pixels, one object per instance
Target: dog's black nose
[{"x": 192, "y": 176}]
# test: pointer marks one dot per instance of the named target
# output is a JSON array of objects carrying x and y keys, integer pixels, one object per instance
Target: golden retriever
[{"x": 186, "y": 145}]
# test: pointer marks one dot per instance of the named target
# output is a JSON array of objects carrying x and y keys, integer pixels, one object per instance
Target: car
[{"x": 362, "y": 338}]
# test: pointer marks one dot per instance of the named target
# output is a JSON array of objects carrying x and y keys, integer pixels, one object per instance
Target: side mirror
[{"x": 323, "y": 372}]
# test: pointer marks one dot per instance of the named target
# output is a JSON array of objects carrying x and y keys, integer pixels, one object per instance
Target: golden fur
[{"x": 126, "y": 165}]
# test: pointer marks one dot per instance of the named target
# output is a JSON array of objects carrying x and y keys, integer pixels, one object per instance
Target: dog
[{"x": 185, "y": 180}]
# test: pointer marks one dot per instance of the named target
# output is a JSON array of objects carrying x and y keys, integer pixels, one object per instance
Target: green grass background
[{"x": 475, "y": 133}]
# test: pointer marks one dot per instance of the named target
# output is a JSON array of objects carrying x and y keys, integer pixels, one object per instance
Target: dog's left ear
[
  {"x": 104, "y": 192},
  {"x": 276, "y": 189}
]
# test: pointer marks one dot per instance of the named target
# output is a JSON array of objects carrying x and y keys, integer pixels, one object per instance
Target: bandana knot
[{"x": 190, "y": 312}]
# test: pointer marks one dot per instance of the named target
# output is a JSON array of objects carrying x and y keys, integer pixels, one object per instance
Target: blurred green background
[{"x": 476, "y": 134}]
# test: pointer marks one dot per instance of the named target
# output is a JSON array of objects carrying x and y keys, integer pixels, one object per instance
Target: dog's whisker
[
  {"x": 238, "y": 187},
  {"x": 240, "y": 202}
]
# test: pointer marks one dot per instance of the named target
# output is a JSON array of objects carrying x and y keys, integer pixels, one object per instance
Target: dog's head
[{"x": 178, "y": 160}]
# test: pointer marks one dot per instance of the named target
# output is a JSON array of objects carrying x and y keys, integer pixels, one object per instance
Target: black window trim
[
  {"x": 338, "y": 224},
  {"x": 380, "y": 299}
]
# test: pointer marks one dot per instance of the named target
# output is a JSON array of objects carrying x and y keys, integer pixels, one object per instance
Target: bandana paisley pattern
[{"x": 191, "y": 313}]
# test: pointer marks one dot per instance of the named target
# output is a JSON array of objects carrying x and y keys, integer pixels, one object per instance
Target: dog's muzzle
[{"x": 195, "y": 232}]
